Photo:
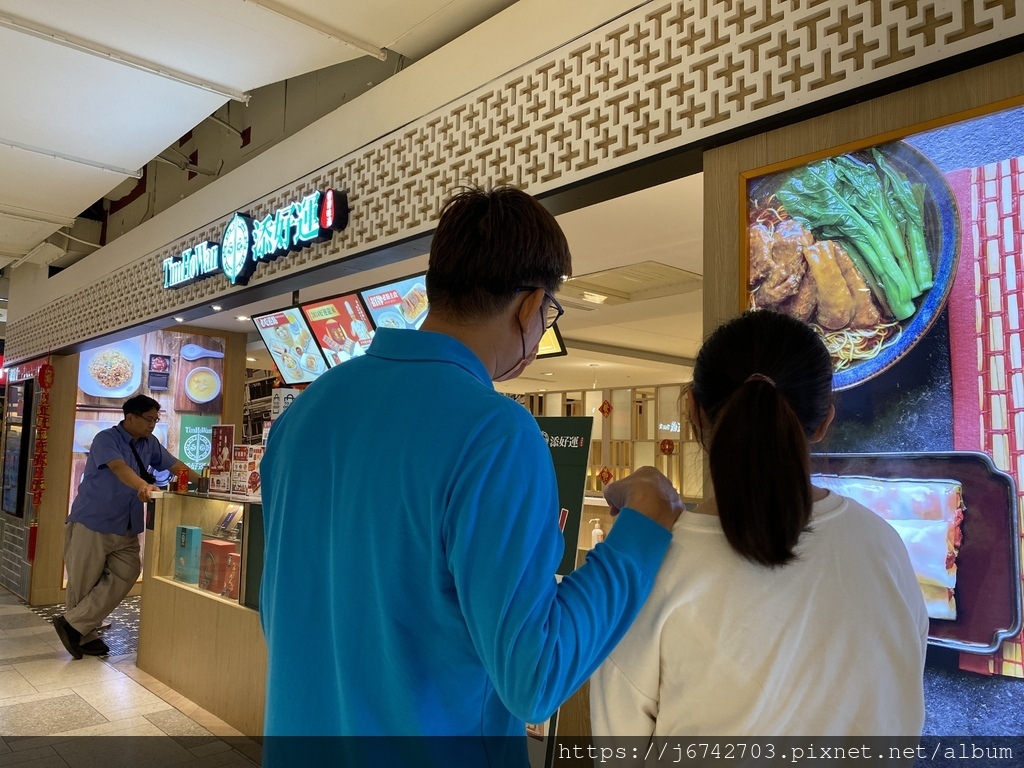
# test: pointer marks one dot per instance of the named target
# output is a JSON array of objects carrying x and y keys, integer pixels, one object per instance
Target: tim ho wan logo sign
[{"x": 247, "y": 241}]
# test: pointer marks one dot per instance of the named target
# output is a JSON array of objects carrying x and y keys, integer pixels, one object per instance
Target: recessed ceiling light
[
  {"x": 241, "y": 318},
  {"x": 547, "y": 373},
  {"x": 251, "y": 359},
  {"x": 179, "y": 319},
  {"x": 542, "y": 390},
  {"x": 216, "y": 307}
]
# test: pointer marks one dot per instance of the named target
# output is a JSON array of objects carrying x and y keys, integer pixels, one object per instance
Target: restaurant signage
[{"x": 248, "y": 241}]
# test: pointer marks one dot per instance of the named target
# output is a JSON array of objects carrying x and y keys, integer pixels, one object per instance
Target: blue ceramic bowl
[{"x": 942, "y": 238}]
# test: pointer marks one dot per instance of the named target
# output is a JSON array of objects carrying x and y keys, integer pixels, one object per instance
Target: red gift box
[{"x": 213, "y": 564}]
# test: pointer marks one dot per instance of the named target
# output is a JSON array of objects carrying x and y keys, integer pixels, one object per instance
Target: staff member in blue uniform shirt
[
  {"x": 101, "y": 536},
  {"x": 411, "y": 522}
]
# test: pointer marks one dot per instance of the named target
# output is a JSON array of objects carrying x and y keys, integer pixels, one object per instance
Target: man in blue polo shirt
[
  {"x": 411, "y": 523},
  {"x": 101, "y": 536}
]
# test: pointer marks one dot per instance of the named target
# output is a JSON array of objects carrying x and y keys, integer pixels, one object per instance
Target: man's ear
[{"x": 530, "y": 306}]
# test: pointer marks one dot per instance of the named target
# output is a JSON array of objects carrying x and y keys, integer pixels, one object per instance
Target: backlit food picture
[
  {"x": 401, "y": 304},
  {"x": 861, "y": 246},
  {"x": 289, "y": 340},
  {"x": 927, "y": 514},
  {"x": 111, "y": 371}
]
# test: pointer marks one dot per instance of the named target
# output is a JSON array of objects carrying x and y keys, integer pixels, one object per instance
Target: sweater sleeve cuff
[{"x": 640, "y": 538}]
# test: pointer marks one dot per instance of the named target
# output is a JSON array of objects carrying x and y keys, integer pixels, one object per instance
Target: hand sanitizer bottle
[{"x": 596, "y": 535}]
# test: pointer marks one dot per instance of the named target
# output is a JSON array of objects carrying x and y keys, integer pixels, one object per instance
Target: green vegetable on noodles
[
  {"x": 907, "y": 201},
  {"x": 812, "y": 195},
  {"x": 864, "y": 190}
]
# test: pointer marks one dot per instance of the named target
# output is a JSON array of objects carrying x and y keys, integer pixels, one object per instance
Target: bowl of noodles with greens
[{"x": 861, "y": 246}]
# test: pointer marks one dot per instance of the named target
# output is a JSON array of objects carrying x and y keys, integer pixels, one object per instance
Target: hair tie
[{"x": 759, "y": 377}]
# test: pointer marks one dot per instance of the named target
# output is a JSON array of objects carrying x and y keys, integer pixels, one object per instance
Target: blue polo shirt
[
  {"x": 104, "y": 504},
  {"x": 412, "y": 540}
]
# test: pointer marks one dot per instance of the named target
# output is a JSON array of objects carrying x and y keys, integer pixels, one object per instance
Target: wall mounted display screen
[
  {"x": 17, "y": 441},
  {"x": 341, "y": 327},
  {"x": 401, "y": 304},
  {"x": 289, "y": 340},
  {"x": 551, "y": 344}
]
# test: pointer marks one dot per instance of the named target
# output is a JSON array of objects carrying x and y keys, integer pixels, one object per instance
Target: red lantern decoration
[{"x": 668, "y": 447}]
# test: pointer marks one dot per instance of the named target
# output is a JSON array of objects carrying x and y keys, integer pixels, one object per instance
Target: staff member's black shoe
[
  {"x": 69, "y": 636},
  {"x": 95, "y": 648}
]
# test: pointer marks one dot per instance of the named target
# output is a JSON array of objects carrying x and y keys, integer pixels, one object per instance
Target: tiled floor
[{"x": 53, "y": 708}]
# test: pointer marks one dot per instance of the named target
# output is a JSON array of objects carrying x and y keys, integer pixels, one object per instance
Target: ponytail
[
  {"x": 763, "y": 384},
  {"x": 760, "y": 469}
]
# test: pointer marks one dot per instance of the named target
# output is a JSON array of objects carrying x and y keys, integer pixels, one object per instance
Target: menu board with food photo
[
  {"x": 401, "y": 304},
  {"x": 905, "y": 256},
  {"x": 290, "y": 341},
  {"x": 340, "y": 326}
]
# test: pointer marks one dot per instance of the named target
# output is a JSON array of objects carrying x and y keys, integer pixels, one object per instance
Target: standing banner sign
[{"x": 568, "y": 437}]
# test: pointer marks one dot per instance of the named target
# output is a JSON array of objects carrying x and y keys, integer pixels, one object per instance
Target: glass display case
[{"x": 206, "y": 544}]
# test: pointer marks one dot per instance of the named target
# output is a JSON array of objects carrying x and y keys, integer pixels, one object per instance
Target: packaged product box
[
  {"x": 245, "y": 473},
  {"x": 223, "y": 440},
  {"x": 213, "y": 569},
  {"x": 280, "y": 399},
  {"x": 188, "y": 543},
  {"x": 232, "y": 576}
]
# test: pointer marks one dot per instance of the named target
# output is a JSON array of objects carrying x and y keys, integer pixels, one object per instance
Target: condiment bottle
[
  {"x": 183, "y": 481},
  {"x": 204, "y": 481}
]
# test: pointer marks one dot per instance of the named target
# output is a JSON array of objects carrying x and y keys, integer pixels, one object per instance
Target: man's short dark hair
[
  {"x": 139, "y": 405},
  {"x": 488, "y": 244}
]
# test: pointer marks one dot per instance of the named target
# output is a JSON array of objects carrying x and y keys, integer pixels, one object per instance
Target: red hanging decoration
[{"x": 33, "y": 534}]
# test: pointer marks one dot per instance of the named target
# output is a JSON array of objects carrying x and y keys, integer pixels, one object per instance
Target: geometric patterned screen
[{"x": 664, "y": 76}]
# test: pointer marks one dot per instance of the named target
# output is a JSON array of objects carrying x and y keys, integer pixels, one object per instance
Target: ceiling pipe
[
  {"x": 60, "y": 37},
  {"x": 225, "y": 124},
  {"x": 323, "y": 29},
  {"x": 70, "y": 158},
  {"x": 36, "y": 217},
  {"x": 184, "y": 165},
  {"x": 77, "y": 239}
]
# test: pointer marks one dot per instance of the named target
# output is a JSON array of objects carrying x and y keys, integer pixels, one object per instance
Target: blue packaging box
[{"x": 187, "y": 551}]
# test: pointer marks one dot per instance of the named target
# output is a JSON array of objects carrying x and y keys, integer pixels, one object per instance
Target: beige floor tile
[
  {"x": 124, "y": 752},
  {"x": 66, "y": 672},
  {"x": 45, "y": 629},
  {"x": 145, "y": 709},
  {"x": 26, "y": 757},
  {"x": 28, "y": 698},
  {"x": 29, "y": 645},
  {"x": 9, "y": 621},
  {"x": 7, "y": 609},
  {"x": 116, "y": 693},
  {"x": 13, "y": 684},
  {"x": 47, "y": 717},
  {"x": 210, "y": 748}
]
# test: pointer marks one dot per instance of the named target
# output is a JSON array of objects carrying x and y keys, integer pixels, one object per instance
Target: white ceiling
[{"x": 85, "y": 105}]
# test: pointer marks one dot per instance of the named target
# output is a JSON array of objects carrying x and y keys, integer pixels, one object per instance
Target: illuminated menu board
[
  {"x": 290, "y": 342},
  {"x": 340, "y": 327},
  {"x": 401, "y": 304},
  {"x": 551, "y": 344}
]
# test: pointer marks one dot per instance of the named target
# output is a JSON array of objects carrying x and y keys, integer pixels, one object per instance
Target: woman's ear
[
  {"x": 819, "y": 433},
  {"x": 694, "y": 415}
]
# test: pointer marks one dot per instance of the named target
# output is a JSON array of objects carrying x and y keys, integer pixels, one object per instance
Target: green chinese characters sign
[
  {"x": 568, "y": 437},
  {"x": 194, "y": 440}
]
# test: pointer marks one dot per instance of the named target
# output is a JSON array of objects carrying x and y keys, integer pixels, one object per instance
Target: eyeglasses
[
  {"x": 554, "y": 310},
  {"x": 147, "y": 418}
]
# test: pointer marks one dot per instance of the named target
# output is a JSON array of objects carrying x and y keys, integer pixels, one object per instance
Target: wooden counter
[{"x": 207, "y": 647}]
